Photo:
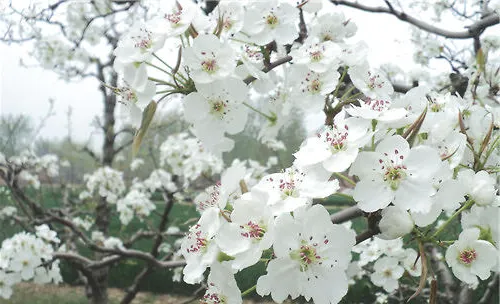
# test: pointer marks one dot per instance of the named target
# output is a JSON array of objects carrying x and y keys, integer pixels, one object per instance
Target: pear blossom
[
  {"x": 319, "y": 57},
  {"x": 208, "y": 59},
  {"x": 44, "y": 232},
  {"x": 311, "y": 253},
  {"x": 175, "y": 17},
  {"x": 231, "y": 14},
  {"x": 395, "y": 173},
  {"x": 295, "y": 188},
  {"x": 480, "y": 186},
  {"x": 6, "y": 282},
  {"x": 395, "y": 223},
  {"x": 387, "y": 272},
  {"x": 25, "y": 263},
  {"x": 486, "y": 220},
  {"x": 372, "y": 84},
  {"x": 271, "y": 20},
  {"x": 139, "y": 44},
  {"x": 222, "y": 192},
  {"x": 199, "y": 247},
  {"x": 215, "y": 109},
  {"x": 310, "y": 88},
  {"x": 469, "y": 257},
  {"x": 222, "y": 286},
  {"x": 333, "y": 27},
  {"x": 250, "y": 231},
  {"x": 378, "y": 109},
  {"x": 336, "y": 147}
]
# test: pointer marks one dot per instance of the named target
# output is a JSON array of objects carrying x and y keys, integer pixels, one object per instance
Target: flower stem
[
  {"x": 340, "y": 82},
  {"x": 248, "y": 291},
  {"x": 466, "y": 206},
  {"x": 270, "y": 118},
  {"x": 345, "y": 178}
]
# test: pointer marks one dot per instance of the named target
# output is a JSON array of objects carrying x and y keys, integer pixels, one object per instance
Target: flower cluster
[
  {"x": 27, "y": 257},
  {"x": 106, "y": 182}
]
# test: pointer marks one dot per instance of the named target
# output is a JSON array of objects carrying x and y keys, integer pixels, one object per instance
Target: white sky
[{"x": 27, "y": 90}]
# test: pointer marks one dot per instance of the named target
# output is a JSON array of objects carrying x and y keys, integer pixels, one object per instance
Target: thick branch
[
  {"x": 489, "y": 292},
  {"x": 346, "y": 215},
  {"x": 472, "y": 31},
  {"x": 271, "y": 66}
]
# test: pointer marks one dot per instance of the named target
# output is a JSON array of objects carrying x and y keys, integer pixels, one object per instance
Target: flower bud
[{"x": 395, "y": 223}]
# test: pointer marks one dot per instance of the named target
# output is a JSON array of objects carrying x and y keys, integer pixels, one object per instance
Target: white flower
[
  {"x": 176, "y": 17},
  {"x": 199, "y": 248},
  {"x": 231, "y": 13},
  {"x": 208, "y": 59},
  {"x": 215, "y": 109},
  {"x": 222, "y": 286},
  {"x": 6, "y": 282},
  {"x": 46, "y": 234},
  {"x": 25, "y": 263},
  {"x": 378, "y": 109},
  {"x": 486, "y": 219},
  {"x": 333, "y": 27},
  {"x": 311, "y": 253},
  {"x": 480, "y": 186},
  {"x": 113, "y": 243},
  {"x": 335, "y": 147},
  {"x": 295, "y": 188},
  {"x": 319, "y": 57},
  {"x": 309, "y": 88},
  {"x": 395, "y": 223},
  {"x": 266, "y": 21},
  {"x": 470, "y": 257},
  {"x": 394, "y": 173},
  {"x": 250, "y": 231},
  {"x": 373, "y": 85},
  {"x": 387, "y": 272},
  {"x": 138, "y": 45},
  {"x": 219, "y": 194}
]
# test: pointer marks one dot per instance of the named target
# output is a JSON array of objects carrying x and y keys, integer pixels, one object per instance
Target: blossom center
[
  {"x": 213, "y": 297},
  {"x": 200, "y": 242},
  {"x": 252, "y": 230},
  {"x": 374, "y": 81},
  {"x": 387, "y": 273},
  {"x": 209, "y": 66},
  {"x": 272, "y": 20},
  {"x": 467, "y": 256},
  {"x": 144, "y": 40},
  {"x": 377, "y": 105},
  {"x": 218, "y": 108},
  {"x": 394, "y": 176},
  {"x": 306, "y": 255},
  {"x": 336, "y": 138},
  {"x": 174, "y": 18}
]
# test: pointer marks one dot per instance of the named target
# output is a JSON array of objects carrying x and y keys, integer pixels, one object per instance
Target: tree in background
[{"x": 400, "y": 155}]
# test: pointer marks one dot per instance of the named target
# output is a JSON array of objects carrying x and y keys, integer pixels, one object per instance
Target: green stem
[
  {"x": 259, "y": 112},
  {"x": 347, "y": 179},
  {"x": 162, "y": 82},
  {"x": 347, "y": 92},
  {"x": 466, "y": 206},
  {"x": 340, "y": 81},
  {"x": 158, "y": 68},
  {"x": 248, "y": 291}
]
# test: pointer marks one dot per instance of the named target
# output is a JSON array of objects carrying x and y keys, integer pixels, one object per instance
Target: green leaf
[
  {"x": 147, "y": 117},
  {"x": 481, "y": 59}
]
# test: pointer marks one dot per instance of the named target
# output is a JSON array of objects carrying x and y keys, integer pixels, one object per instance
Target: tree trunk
[{"x": 99, "y": 290}]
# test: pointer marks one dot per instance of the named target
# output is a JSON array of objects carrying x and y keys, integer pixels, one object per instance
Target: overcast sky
[{"x": 27, "y": 90}]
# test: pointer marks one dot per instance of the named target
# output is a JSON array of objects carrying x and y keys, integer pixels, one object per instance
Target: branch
[
  {"x": 443, "y": 273},
  {"x": 488, "y": 293},
  {"x": 271, "y": 66},
  {"x": 472, "y": 31},
  {"x": 346, "y": 215}
]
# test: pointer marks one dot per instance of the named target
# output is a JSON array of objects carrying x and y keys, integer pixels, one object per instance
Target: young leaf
[{"x": 147, "y": 117}]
